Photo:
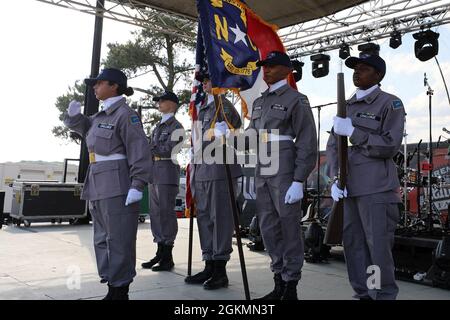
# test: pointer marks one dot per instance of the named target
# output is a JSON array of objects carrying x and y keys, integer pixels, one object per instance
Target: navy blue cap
[
  {"x": 374, "y": 61},
  {"x": 109, "y": 74},
  {"x": 276, "y": 58},
  {"x": 167, "y": 95}
]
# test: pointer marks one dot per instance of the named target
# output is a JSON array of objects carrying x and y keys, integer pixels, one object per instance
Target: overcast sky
[{"x": 46, "y": 48}]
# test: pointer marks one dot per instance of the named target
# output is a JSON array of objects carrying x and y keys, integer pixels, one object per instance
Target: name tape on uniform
[
  {"x": 106, "y": 126},
  {"x": 367, "y": 115},
  {"x": 278, "y": 107}
]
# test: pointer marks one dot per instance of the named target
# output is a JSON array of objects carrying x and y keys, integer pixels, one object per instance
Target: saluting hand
[
  {"x": 133, "y": 196},
  {"x": 74, "y": 108}
]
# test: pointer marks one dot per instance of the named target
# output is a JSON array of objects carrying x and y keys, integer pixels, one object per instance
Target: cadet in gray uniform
[
  {"x": 118, "y": 171},
  {"x": 374, "y": 123},
  {"x": 214, "y": 211},
  {"x": 278, "y": 193},
  {"x": 166, "y": 177}
]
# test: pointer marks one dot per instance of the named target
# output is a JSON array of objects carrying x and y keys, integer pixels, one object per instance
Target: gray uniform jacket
[
  {"x": 289, "y": 111},
  {"x": 210, "y": 172},
  {"x": 161, "y": 145},
  {"x": 379, "y": 120},
  {"x": 116, "y": 130}
]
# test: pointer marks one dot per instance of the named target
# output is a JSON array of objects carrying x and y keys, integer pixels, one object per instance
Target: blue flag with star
[{"x": 231, "y": 56}]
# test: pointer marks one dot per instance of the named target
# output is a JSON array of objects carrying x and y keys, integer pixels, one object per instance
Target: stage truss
[{"x": 369, "y": 21}]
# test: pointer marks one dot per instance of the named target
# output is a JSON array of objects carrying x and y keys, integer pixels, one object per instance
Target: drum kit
[{"x": 422, "y": 219}]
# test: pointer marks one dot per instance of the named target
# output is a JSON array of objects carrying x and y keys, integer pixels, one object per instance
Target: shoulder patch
[
  {"x": 134, "y": 119},
  {"x": 305, "y": 101},
  {"x": 258, "y": 107},
  {"x": 397, "y": 104}
]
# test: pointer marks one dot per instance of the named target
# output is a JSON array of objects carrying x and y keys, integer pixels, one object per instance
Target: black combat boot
[
  {"x": 166, "y": 262},
  {"x": 155, "y": 260},
  {"x": 110, "y": 294},
  {"x": 290, "y": 292},
  {"x": 121, "y": 293},
  {"x": 202, "y": 276},
  {"x": 277, "y": 291},
  {"x": 219, "y": 277}
]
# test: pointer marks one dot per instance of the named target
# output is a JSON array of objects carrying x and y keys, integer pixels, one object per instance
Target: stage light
[
  {"x": 427, "y": 45},
  {"x": 396, "y": 40},
  {"x": 320, "y": 65},
  {"x": 297, "y": 66},
  {"x": 344, "y": 51},
  {"x": 369, "y": 49}
]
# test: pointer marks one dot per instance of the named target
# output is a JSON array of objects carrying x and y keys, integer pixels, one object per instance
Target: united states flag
[{"x": 197, "y": 99}]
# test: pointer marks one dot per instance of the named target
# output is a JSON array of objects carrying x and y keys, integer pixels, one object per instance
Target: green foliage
[{"x": 163, "y": 55}]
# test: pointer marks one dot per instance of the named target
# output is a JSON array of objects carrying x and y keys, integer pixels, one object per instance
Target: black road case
[{"x": 46, "y": 201}]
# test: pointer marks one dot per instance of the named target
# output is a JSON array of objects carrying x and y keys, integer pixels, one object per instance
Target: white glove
[
  {"x": 294, "y": 193},
  {"x": 74, "y": 108},
  {"x": 220, "y": 129},
  {"x": 343, "y": 127},
  {"x": 337, "y": 193},
  {"x": 133, "y": 196}
]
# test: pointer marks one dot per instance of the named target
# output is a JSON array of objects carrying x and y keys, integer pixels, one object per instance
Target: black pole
[
  {"x": 318, "y": 161},
  {"x": 90, "y": 101},
  {"x": 319, "y": 108},
  {"x": 191, "y": 235},
  {"x": 65, "y": 171},
  {"x": 418, "y": 180},
  {"x": 430, "y": 166},
  {"x": 65, "y": 168},
  {"x": 235, "y": 213}
]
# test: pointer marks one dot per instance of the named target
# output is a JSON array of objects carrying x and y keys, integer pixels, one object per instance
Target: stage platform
[{"x": 42, "y": 262}]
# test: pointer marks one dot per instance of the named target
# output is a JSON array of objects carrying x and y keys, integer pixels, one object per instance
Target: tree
[{"x": 148, "y": 52}]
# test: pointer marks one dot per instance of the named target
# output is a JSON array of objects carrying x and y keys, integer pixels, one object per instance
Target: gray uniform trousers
[
  {"x": 163, "y": 218},
  {"x": 369, "y": 225},
  {"x": 280, "y": 226},
  {"x": 214, "y": 218},
  {"x": 115, "y": 230}
]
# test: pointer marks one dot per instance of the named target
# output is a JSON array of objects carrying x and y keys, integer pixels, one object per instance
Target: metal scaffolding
[
  {"x": 134, "y": 13},
  {"x": 370, "y": 21}
]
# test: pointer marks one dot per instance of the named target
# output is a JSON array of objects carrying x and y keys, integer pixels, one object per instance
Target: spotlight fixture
[
  {"x": 369, "y": 49},
  {"x": 320, "y": 65},
  {"x": 298, "y": 73},
  {"x": 427, "y": 45},
  {"x": 396, "y": 39},
  {"x": 344, "y": 51}
]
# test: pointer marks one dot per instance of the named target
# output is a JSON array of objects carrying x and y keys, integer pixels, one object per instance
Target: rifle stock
[{"x": 333, "y": 235}]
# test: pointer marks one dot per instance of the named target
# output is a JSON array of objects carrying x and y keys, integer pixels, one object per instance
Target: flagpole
[
  {"x": 235, "y": 213},
  {"x": 191, "y": 232}
]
